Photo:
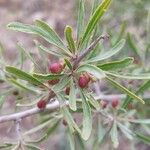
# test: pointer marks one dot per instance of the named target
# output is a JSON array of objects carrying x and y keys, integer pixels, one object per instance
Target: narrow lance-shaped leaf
[
  {"x": 70, "y": 40},
  {"x": 101, "y": 9},
  {"x": 2, "y": 99},
  {"x": 127, "y": 132},
  {"x": 21, "y": 48},
  {"x": 95, "y": 71},
  {"x": 87, "y": 118},
  {"x": 70, "y": 121},
  {"x": 125, "y": 90},
  {"x": 52, "y": 35},
  {"x": 114, "y": 65},
  {"x": 48, "y": 34},
  {"x": 93, "y": 102},
  {"x": 23, "y": 75},
  {"x": 32, "y": 147},
  {"x": 52, "y": 52},
  {"x": 148, "y": 27},
  {"x": 80, "y": 22},
  {"x": 23, "y": 86},
  {"x": 133, "y": 46},
  {"x": 129, "y": 76},
  {"x": 68, "y": 64},
  {"x": 61, "y": 84},
  {"x": 140, "y": 121},
  {"x": 114, "y": 135},
  {"x": 72, "y": 96},
  {"x": 71, "y": 140},
  {"x": 141, "y": 89},
  {"x": 46, "y": 77},
  {"x": 122, "y": 31},
  {"x": 114, "y": 50},
  {"x": 144, "y": 138}
]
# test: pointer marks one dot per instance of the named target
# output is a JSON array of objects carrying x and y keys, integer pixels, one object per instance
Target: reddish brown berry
[
  {"x": 104, "y": 103},
  {"x": 53, "y": 82},
  {"x": 41, "y": 104},
  {"x": 56, "y": 68},
  {"x": 64, "y": 122},
  {"x": 130, "y": 106},
  {"x": 114, "y": 103},
  {"x": 15, "y": 92},
  {"x": 67, "y": 90},
  {"x": 83, "y": 81},
  {"x": 87, "y": 76}
]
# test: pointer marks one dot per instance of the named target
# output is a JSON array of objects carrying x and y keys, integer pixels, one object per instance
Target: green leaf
[
  {"x": 42, "y": 29},
  {"x": 95, "y": 71},
  {"x": 69, "y": 39},
  {"x": 125, "y": 90},
  {"x": 117, "y": 48},
  {"x": 68, "y": 64},
  {"x": 127, "y": 132},
  {"x": 47, "y": 134},
  {"x": 87, "y": 118},
  {"x": 101, "y": 9},
  {"x": 144, "y": 138},
  {"x": 129, "y": 76},
  {"x": 2, "y": 99},
  {"x": 70, "y": 121},
  {"x": 122, "y": 31},
  {"x": 148, "y": 27},
  {"x": 33, "y": 147},
  {"x": 52, "y": 35},
  {"x": 133, "y": 45},
  {"x": 72, "y": 96},
  {"x": 46, "y": 77},
  {"x": 114, "y": 135},
  {"x": 101, "y": 131},
  {"x": 93, "y": 102},
  {"x": 141, "y": 89},
  {"x": 80, "y": 22},
  {"x": 62, "y": 84},
  {"x": 52, "y": 52},
  {"x": 140, "y": 121},
  {"x": 41, "y": 126},
  {"x": 23, "y": 86},
  {"x": 71, "y": 140},
  {"x": 23, "y": 75},
  {"x": 5, "y": 145},
  {"x": 114, "y": 65},
  {"x": 22, "y": 49}
]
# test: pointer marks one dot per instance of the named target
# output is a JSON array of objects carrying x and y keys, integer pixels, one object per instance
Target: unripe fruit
[
  {"x": 65, "y": 122},
  {"x": 15, "y": 93},
  {"x": 67, "y": 90},
  {"x": 41, "y": 104},
  {"x": 104, "y": 103},
  {"x": 56, "y": 68},
  {"x": 83, "y": 81},
  {"x": 114, "y": 103},
  {"x": 87, "y": 76},
  {"x": 130, "y": 106},
  {"x": 53, "y": 82}
]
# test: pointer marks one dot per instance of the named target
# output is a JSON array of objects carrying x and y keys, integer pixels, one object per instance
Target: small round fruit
[
  {"x": 53, "y": 82},
  {"x": 104, "y": 103},
  {"x": 87, "y": 76},
  {"x": 130, "y": 106},
  {"x": 115, "y": 103},
  {"x": 64, "y": 122},
  {"x": 67, "y": 90},
  {"x": 56, "y": 68},
  {"x": 41, "y": 104},
  {"x": 83, "y": 81}
]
